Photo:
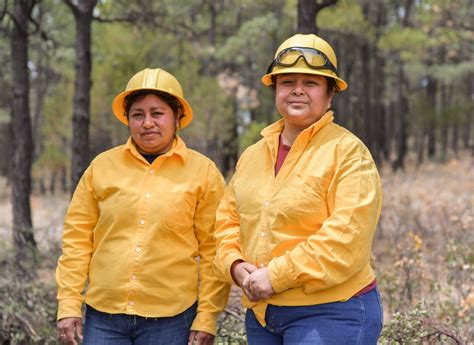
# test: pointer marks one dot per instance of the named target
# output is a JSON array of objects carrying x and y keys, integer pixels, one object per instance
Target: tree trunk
[
  {"x": 231, "y": 149},
  {"x": 6, "y": 149},
  {"x": 367, "y": 113},
  {"x": 41, "y": 88},
  {"x": 22, "y": 141},
  {"x": 63, "y": 173},
  {"x": 382, "y": 149},
  {"x": 444, "y": 107},
  {"x": 420, "y": 146},
  {"x": 81, "y": 112},
  {"x": 381, "y": 146},
  {"x": 307, "y": 13},
  {"x": 391, "y": 128},
  {"x": 467, "y": 118},
  {"x": 307, "y": 16},
  {"x": 431, "y": 89},
  {"x": 401, "y": 133},
  {"x": 52, "y": 182},
  {"x": 455, "y": 138}
]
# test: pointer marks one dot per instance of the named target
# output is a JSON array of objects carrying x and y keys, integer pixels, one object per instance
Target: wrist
[{"x": 232, "y": 271}]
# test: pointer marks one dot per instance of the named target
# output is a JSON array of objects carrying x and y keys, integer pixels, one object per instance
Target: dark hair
[
  {"x": 332, "y": 84},
  {"x": 134, "y": 96}
]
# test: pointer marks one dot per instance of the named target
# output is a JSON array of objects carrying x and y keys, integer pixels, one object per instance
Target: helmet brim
[
  {"x": 267, "y": 78},
  {"x": 119, "y": 110}
]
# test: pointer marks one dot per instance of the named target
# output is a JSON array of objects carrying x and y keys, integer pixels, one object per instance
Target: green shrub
[
  {"x": 27, "y": 312},
  {"x": 419, "y": 326}
]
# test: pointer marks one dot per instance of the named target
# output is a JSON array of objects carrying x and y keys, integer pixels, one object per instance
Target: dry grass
[{"x": 423, "y": 250}]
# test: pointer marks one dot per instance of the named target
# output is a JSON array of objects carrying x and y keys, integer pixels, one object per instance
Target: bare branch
[
  {"x": 131, "y": 18},
  {"x": 324, "y": 4},
  {"x": 38, "y": 30},
  {"x": 32, "y": 4},
  {"x": 71, "y": 5},
  {"x": 459, "y": 24},
  {"x": 150, "y": 19},
  {"x": 28, "y": 326},
  {"x": 4, "y": 10},
  {"x": 234, "y": 314}
]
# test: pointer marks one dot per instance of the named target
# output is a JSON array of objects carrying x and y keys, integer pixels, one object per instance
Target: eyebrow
[{"x": 141, "y": 109}]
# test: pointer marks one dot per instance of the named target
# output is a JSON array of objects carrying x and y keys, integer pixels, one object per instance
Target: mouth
[
  {"x": 297, "y": 103},
  {"x": 150, "y": 134}
]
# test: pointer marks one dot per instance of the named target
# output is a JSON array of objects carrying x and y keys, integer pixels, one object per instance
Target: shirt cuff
[
  {"x": 70, "y": 307},
  {"x": 224, "y": 267},
  {"x": 205, "y": 322},
  {"x": 280, "y": 274}
]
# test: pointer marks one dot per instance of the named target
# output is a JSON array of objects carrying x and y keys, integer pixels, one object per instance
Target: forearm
[{"x": 342, "y": 246}]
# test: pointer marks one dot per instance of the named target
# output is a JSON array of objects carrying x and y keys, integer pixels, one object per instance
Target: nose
[
  {"x": 298, "y": 89},
  {"x": 148, "y": 121}
]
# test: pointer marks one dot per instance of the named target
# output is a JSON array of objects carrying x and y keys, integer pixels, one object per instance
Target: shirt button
[
  {"x": 138, "y": 249},
  {"x": 266, "y": 203},
  {"x": 142, "y": 221},
  {"x": 262, "y": 234},
  {"x": 152, "y": 171},
  {"x": 134, "y": 277},
  {"x": 261, "y": 265},
  {"x": 131, "y": 302},
  {"x": 147, "y": 195}
]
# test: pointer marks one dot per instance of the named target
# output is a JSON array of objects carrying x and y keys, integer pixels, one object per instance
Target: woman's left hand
[
  {"x": 259, "y": 283},
  {"x": 200, "y": 338}
]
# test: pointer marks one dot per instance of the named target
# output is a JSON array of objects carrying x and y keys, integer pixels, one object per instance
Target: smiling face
[
  {"x": 302, "y": 99},
  {"x": 152, "y": 124}
]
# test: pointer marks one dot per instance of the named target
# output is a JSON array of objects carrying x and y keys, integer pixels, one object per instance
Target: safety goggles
[{"x": 314, "y": 58}]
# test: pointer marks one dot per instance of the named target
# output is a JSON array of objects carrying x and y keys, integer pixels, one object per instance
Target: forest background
[{"x": 410, "y": 69}]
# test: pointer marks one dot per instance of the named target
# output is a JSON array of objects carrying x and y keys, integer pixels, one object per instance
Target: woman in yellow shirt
[
  {"x": 296, "y": 224},
  {"x": 139, "y": 219}
]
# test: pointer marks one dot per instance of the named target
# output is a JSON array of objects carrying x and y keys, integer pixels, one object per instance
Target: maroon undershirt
[{"x": 282, "y": 153}]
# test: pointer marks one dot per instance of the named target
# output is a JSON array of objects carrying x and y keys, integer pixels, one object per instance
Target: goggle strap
[{"x": 327, "y": 65}]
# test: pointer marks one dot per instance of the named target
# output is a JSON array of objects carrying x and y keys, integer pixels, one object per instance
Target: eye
[
  {"x": 136, "y": 115},
  {"x": 156, "y": 113},
  {"x": 286, "y": 81}
]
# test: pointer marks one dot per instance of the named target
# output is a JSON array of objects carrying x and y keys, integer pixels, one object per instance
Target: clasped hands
[{"x": 254, "y": 282}]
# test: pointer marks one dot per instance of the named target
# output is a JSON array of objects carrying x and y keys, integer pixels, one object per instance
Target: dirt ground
[{"x": 47, "y": 216}]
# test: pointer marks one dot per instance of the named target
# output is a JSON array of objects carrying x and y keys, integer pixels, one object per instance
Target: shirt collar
[
  {"x": 178, "y": 148},
  {"x": 277, "y": 127}
]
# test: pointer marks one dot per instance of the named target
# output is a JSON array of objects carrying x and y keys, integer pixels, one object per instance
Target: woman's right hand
[
  {"x": 240, "y": 270},
  {"x": 68, "y": 328}
]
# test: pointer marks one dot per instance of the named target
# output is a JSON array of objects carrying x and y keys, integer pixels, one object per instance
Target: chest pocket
[
  {"x": 307, "y": 199},
  {"x": 176, "y": 210}
]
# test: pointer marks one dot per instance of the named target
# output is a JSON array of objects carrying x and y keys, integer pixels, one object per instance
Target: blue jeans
[
  {"x": 356, "y": 321},
  {"x": 122, "y": 329}
]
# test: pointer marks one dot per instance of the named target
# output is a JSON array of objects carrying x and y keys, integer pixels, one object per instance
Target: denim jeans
[
  {"x": 356, "y": 321},
  {"x": 122, "y": 329}
]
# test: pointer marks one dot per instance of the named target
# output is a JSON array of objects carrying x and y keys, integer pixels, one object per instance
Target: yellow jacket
[
  {"x": 134, "y": 231},
  {"x": 312, "y": 225}
]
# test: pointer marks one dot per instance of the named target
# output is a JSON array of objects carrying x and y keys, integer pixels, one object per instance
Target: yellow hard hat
[
  {"x": 153, "y": 79},
  {"x": 305, "y": 53}
]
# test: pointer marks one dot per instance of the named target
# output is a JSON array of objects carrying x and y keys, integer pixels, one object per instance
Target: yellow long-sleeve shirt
[
  {"x": 312, "y": 224},
  {"x": 134, "y": 231}
]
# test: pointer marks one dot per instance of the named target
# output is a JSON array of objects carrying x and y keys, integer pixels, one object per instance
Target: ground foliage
[{"x": 423, "y": 256}]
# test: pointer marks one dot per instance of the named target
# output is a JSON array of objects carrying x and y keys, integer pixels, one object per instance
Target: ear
[
  {"x": 329, "y": 103},
  {"x": 330, "y": 98},
  {"x": 177, "y": 118}
]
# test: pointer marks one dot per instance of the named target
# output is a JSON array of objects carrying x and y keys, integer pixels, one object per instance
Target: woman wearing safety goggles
[{"x": 296, "y": 224}]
